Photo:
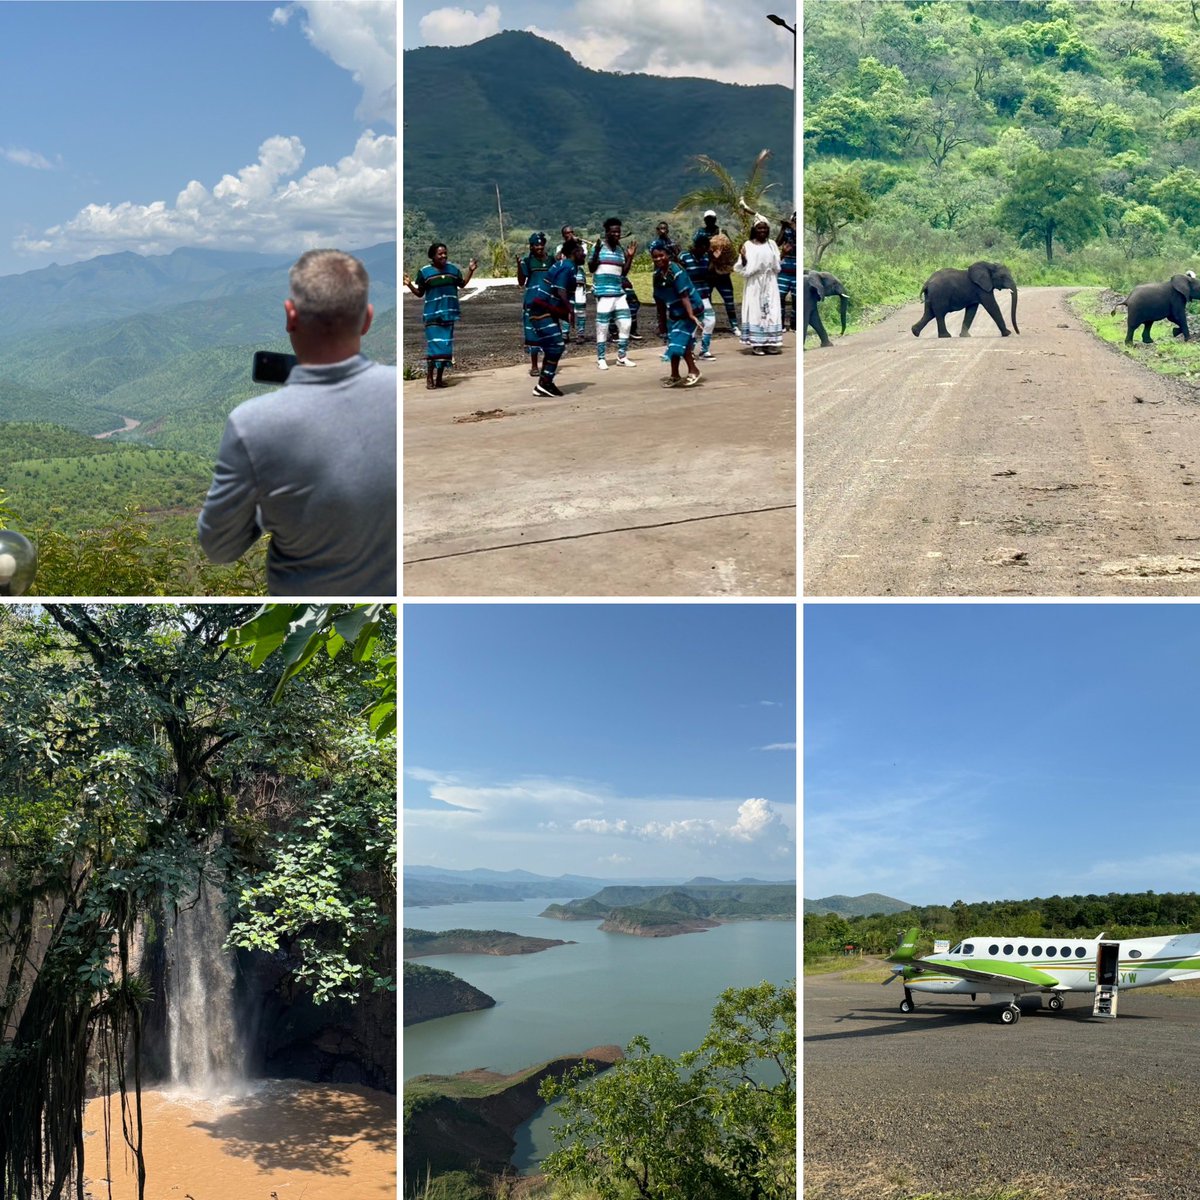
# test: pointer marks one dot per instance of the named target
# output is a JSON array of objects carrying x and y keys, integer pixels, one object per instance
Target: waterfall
[{"x": 207, "y": 1055}]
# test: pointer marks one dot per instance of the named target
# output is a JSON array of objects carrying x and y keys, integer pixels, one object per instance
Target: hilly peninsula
[
  {"x": 667, "y": 911},
  {"x": 431, "y": 993},
  {"x": 421, "y": 943}
]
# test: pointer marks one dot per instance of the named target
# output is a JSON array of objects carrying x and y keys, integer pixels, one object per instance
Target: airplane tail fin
[{"x": 907, "y": 948}]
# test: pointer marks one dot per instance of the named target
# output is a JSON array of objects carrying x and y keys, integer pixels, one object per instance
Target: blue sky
[
  {"x": 144, "y": 127},
  {"x": 711, "y": 39},
  {"x": 619, "y": 740},
  {"x": 981, "y": 752}
]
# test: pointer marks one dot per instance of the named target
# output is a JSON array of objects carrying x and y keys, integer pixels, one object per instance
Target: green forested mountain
[
  {"x": 518, "y": 111},
  {"x": 856, "y": 906},
  {"x": 1059, "y": 136}
]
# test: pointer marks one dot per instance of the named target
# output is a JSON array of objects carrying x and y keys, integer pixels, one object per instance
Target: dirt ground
[
  {"x": 620, "y": 488},
  {"x": 1044, "y": 463},
  {"x": 1061, "y": 1104}
]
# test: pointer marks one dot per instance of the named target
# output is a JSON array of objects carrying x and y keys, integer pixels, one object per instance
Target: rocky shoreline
[{"x": 467, "y": 1122}]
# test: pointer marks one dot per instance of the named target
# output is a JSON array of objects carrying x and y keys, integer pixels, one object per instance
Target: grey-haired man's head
[{"x": 329, "y": 290}]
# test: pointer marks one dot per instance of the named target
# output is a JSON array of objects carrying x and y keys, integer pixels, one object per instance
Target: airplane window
[
  {"x": 1080, "y": 952},
  {"x": 968, "y": 948},
  {"x": 1022, "y": 950},
  {"x": 1066, "y": 952},
  {"x": 1037, "y": 951},
  {"x": 1007, "y": 949},
  {"x": 957, "y": 949},
  {"x": 1051, "y": 951},
  {"x": 1135, "y": 954},
  {"x": 993, "y": 950}
]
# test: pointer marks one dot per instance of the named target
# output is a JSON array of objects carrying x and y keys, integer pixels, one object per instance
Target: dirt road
[
  {"x": 1044, "y": 464},
  {"x": 949, "y": 1100},
  {"x": 621, "y": 488}
]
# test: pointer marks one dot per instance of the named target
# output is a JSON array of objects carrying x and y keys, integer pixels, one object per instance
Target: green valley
[{"x": 111, "y": 424}]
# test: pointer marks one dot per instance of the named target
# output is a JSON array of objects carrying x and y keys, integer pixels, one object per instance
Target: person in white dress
[{"x": 758, "y": 264}]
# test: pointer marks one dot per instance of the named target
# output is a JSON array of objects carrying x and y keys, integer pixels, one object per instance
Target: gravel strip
[{"x": 947, "y": 1100}]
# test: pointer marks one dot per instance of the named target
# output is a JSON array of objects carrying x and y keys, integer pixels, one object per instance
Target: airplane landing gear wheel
[
  {"x": 1055, "y": 1003},
  {"x": 1010, "y": 1015},
  {"x": 906, "y": 1006}
]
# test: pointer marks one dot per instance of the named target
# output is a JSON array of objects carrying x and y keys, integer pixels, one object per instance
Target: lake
[{"x": 606, "y": 989}]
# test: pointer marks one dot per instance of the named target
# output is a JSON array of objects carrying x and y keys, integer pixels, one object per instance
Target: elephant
[
  {"x": 1150, "y": 302},
  {"x": 950, "y": 289},
  {"x": 818, "y": 285}
]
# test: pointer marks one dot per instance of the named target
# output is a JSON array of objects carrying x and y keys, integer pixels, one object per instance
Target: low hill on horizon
[{"x": 865, "y": 905}]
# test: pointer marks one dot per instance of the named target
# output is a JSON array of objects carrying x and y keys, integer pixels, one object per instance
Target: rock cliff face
[
  {"x": 430, "y": 993},
  {"x": 446, "y": 1130}
]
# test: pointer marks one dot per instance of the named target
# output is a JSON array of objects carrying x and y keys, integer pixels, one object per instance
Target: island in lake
[
  {"x": 420, "y": 943},
  {"x": 686, "y": 908},
  {"x": 430, "y": 992}
]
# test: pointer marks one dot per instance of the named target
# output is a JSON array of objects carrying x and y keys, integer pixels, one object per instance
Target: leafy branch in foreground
[
  {"x": 726, "y": 1130},
  {"x": 299, "y": 631}
]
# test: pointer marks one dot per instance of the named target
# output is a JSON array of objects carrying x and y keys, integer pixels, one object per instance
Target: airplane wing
[{"x": 1001, "y": 976}]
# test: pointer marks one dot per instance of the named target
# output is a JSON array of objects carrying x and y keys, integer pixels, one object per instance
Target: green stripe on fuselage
[{"x": 1018, "y": 972}]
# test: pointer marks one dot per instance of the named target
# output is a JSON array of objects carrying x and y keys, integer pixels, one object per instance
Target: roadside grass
[
  {"x": 1167, "y": 355},
  {"x": 850, "y": 967}
]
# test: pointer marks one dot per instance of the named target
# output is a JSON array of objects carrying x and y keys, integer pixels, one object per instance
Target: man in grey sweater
[{"x": 314, "y": 463}]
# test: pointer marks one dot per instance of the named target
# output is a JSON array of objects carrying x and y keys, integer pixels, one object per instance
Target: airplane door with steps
[{"x": 1108, "y": 962}]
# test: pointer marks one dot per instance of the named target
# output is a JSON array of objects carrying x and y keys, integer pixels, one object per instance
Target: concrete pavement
[{"x": 620, "y": 488}]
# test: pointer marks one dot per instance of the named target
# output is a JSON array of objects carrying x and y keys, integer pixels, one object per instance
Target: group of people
[{"x": 555, "y": 291}]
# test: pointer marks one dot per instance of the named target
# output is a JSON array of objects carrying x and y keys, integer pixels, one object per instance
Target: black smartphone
[{"x": 271, "y": 366}]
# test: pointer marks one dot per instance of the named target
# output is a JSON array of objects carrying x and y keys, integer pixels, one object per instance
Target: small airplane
[{"x": 1006, "y": 968}]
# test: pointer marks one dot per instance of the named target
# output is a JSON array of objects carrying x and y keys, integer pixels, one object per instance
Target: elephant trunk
[
  {"x": 842, "y": 300},
  {"x": 1014, "y": 309}
]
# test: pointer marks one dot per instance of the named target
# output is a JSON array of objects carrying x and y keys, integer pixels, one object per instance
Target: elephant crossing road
[
  {"x": 951, "y": 289},
  {"x": 1150, "y": 302}
]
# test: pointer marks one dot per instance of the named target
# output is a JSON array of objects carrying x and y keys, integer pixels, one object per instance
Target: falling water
[{"x": 207, "y": 1056}]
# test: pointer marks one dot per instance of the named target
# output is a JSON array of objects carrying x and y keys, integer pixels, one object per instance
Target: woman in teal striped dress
[{"x": 438, "y": 284}]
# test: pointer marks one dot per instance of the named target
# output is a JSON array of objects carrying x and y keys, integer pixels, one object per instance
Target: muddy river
[{"x": 282, "y": 1140}]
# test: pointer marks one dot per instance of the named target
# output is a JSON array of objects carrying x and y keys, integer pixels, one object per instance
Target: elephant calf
[
  {"x": 1150, "y": 302},
  {"x": 818, "y": 285},
  {"x": 950, "y": 289}
]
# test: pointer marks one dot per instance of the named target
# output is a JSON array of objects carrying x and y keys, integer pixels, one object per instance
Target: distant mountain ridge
[
  {"x": 865, "y": 905},
  {"x": 488, "y": 114},
  {"x": 113, "y": 286}
]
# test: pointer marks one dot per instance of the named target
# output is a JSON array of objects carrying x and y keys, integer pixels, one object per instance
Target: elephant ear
[
  {"x": 1182, "y": 285},
  {"x": 980, "y": 274},
  {"x": 815, "y": 285}
]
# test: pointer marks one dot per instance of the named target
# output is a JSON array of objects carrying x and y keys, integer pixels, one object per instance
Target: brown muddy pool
[{"x": 281, "y": 1140}]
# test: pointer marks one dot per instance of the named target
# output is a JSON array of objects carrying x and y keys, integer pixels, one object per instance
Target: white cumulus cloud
[
  {"x": 264, "y": 206},
  {"x": 756, "y": 820},
  {"x": 459, "y": 26},
  {"x": 360, "y": 36}
]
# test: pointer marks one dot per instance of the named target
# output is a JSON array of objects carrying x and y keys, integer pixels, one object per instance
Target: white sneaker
[
  {"x": 626, "y": 362},
  {"x": 601, "y": 365},
  {"x": 707, "y": 355}
]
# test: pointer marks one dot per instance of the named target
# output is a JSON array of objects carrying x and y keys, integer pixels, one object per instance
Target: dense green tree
[
  {"x": 1178, "y": 195},
  {"x": 137, "y": 756},
  {"x": 1054, "y": 197},
  {"x": 1142, "y": 230},
  {"x": 831, "y": 203},
  {"x": 720, "y": 1123}
]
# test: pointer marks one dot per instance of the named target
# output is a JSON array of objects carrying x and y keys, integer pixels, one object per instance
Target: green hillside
[
  {"x": 1057, "y": 136},
  {"x": 856, "y": 906},
  {"x": 468, "y": 114}
]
